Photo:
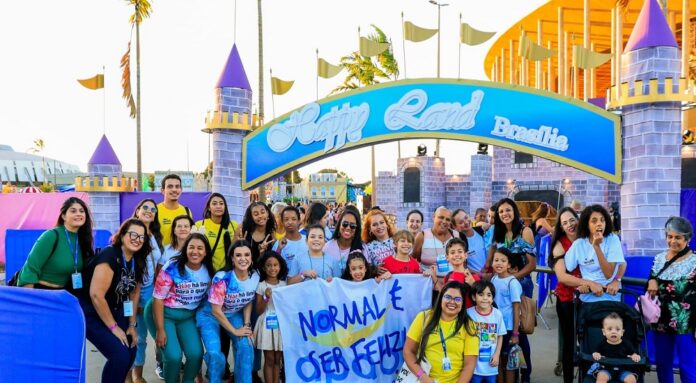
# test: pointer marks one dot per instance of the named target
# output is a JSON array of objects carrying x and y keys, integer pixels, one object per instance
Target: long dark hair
[
  {"x": 229, "y": 264},
  {"x": 558, "y": 233},
  {"x": 500, "y": 229},
  {"x": 174, "y": 239},
  {"x": 182, "y": 258},
  {"x": 316, "y": 212},
  {"x": 224, "y": 224},
  {"x": 356, "y": 242},
  {"x": 155, "y": 227},
  {"x": 84, "y": 232},
  {"x": 358, "y": 254},
  {"x": 541, "y": 212},
  {"x": 282, "y": 274},
  {"x": 248, "y": 224},
  {"x": 140, "y": 255},
  {"x": 463, "y": 319},
  {"x": 584, "y": 224}
]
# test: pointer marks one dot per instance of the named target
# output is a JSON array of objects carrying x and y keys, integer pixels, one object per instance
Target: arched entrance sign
[{"x": 541, "y": 123}]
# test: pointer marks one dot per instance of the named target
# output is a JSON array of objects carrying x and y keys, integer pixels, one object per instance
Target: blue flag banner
[{"x": 342, "y": 331}]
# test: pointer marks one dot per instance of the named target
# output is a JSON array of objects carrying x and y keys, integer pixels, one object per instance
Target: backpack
[
  {"x": 15, "y": 278},
  {"x": 528, "y": 311}
]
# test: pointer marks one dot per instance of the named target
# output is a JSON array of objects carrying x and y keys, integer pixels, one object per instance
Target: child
[
  {"x": 402, "y": 262},
  {"x": 315, "y": 264},
  {"x": 490, "y": 327},
  {"x": 508, "y": 301},
  {"x": 358, "y": 269},
  {"x": 273, "y": 273},
  {"x": 456, "y": 252},
  {"x": 293, "y": 243},
  {"x": 613, "y": 347}
]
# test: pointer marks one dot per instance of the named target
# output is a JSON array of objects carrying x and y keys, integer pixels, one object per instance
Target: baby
[{"x": 613, "y": 347}]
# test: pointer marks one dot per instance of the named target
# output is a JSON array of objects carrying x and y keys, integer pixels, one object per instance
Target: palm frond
[
  {"x": 142, "y": 10},
  {"x": 126, "y": 83}
]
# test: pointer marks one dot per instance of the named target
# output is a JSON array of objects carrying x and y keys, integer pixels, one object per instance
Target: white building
[{"x": 25, "y": 168}]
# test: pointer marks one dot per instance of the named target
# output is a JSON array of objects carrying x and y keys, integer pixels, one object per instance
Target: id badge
[
  {"x": 271, "y": 321},
  {"x": 128, "y": 308},
  {"x": 77, "y": 281},
  {"x": 446, "y": 364}
]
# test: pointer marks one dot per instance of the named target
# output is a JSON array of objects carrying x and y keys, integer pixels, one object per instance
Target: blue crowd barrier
[
  {"x": 18, "y": 244},
  {"x": 546, "y": 282}
]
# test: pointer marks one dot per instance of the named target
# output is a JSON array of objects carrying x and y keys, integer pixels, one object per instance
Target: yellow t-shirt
[
  {"x": 457, "y": 346},
  {"x": 211, "y": 232},
  {"x": 166, "y": 216}
]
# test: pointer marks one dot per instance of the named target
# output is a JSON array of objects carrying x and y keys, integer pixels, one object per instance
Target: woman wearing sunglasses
[
  {"x": 113, "y": 279},
  {"x": 346, "y": 236},
  {"x": 445, "y": 337}
]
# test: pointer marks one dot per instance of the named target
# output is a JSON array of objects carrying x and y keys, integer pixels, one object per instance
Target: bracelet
[
  {"x": 247, "y": 324},
  {"x": 515, "y": 333},
  {"x": 113, "y": 326},
  {"x": 419, "y": 373},
  {"x": 266, "y": 298},
  {"x": 132, "y": 324}
]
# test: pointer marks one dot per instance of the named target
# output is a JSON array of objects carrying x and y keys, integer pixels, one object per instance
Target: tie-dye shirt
[
  {"x": 181, "y": 291},
  {"x": 231, "y": 293}
]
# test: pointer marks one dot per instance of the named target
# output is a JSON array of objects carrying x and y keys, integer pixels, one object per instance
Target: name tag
[
  {"x": 446, "y": 364},
  {"x": 77, "y": 281},
  {"x": 271, "y": 320},
  {"x": 128, "y": 308}
]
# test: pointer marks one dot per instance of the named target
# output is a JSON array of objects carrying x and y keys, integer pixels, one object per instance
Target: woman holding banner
[{"x": 445, "y": 337}]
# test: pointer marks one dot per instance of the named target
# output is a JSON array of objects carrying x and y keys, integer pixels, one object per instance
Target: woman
[
  {"x": 377, "y": 235},
  {"x": 218, "y": 228},
  {"x": 112, "y": 280},
  {"x": 56, "y": 260},
  {"x": 317, "y": 214},
  {"x": 598, "y": 254},
  {"x": 414, "y": 222},
  {"x": 229, "y": 306},
  {"x": 430, "y": 243},
  {"x": 180, "y": 287},
  {"x": 346, "y": 237},
  {"x": 276, "y": 209},
  {"x": 146, "y": 211},
  {"x": 181, "y": 228},
  {"x": 258, "y": 228},
  {"x": 509, "y": 232},
  {"x": 446, "y": 331},
  {"x": 564, "y": 234},
  {"x": 673, "y": 281},
  {"x": 539, "y": 222}
]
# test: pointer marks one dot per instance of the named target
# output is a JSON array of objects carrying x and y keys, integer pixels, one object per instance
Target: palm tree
[
  {"x": 141, "y": 10},
  {"x": 38, "y": 148}
]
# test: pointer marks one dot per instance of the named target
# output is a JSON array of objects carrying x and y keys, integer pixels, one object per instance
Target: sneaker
[{"x": 159, "y": 372}]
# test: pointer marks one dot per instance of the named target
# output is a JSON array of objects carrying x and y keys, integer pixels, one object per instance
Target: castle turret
[
  {"x": 229, "y": 122},
  {"x": 651, "y": 131}
]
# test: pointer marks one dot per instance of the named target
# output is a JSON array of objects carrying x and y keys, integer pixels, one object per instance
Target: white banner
[{"x": 348, "y": 331}]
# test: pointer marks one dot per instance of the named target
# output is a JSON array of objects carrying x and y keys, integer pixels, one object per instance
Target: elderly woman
[
  {"x": 430, "y": 243},
  {"x": 673, "y": 281},
  {"x": 445, "y": 333}
]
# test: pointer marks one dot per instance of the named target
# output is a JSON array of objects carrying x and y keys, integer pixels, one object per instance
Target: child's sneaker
[{"x": 159, "y": 372}]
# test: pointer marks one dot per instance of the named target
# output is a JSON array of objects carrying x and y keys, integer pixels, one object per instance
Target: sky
[{"x": 48, "y": 45}]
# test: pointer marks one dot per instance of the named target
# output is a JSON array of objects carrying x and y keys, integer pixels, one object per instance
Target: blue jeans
[
  {"x": 145, "y": 296},
  {"x": 214, "y": 359},
  {"x": 527, "y": 291},
  {"x": 119, "y": 358},
  {"x": 483, "y": 379},
  {"x": 685, "y": 346}
]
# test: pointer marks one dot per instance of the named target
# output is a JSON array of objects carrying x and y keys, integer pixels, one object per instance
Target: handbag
[
  {"x": 404, "y": 375},
  {"x": 528, "y": 311}
]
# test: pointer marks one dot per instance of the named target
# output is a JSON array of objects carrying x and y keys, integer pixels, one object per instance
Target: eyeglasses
[
  {"x": 136, "y": 237},
  {"x": 569, "y": 222},
  {"x": 352, "y": 226},
  {"x": 449, "y": 298},
  {"x": 151, "y": 209}
]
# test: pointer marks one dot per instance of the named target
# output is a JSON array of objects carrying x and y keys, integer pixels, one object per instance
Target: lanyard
[
  {"x": 442, "y": 341},
  {"x": 74, "y": 250},
  {"x": 125, "y": 267}
]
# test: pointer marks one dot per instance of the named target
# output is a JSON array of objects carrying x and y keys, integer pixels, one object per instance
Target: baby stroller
[{"x": 589, "y": 335}]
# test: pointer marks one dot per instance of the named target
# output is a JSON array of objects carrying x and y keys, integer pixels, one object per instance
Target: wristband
[
  {"x": 419, "y": 373},
  {"x": 133, "y": 324},
  {"x": 515, "y": 333},
  {"x": 617, "y": 280},
  {"x": 113, "y": 326},
  {"x": 266, "y": 299}
]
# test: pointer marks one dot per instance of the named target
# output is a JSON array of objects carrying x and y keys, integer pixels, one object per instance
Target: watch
[
  {"x": 302, "y": 276},
  {"x": 132, "y": 324},
  {"x": 617, "y": 280}
]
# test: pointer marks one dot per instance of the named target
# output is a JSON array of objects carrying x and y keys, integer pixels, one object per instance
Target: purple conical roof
[
  {"x": 104, "y": 154},
  {"x": 234, "y": 76},
  {"x": 651, "y": 29}
]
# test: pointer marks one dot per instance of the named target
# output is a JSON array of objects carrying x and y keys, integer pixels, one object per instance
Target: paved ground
[{"x": 544, "y": 355}]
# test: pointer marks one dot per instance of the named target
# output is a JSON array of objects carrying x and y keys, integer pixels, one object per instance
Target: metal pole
[{"x": 586, "y": 45}]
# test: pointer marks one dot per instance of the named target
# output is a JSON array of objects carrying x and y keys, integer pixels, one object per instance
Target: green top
[{"x": 56, "y": 268}]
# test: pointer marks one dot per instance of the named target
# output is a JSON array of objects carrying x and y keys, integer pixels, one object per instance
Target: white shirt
[{"x": 582, "y": 254}]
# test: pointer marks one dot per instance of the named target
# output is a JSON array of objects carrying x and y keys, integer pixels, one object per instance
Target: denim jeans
[
  {"x": 119, "y": 358},
  {"x": 685, "y": 346},
  {"x": 145, "y": 296},
  {"x": 214, "y": 359},
  {"x": 483, "y": 379}
]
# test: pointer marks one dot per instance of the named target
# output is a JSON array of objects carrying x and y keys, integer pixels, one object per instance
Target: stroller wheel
[{"x": 558, "y": 370}]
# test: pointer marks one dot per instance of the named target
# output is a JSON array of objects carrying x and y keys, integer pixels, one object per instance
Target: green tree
[
  {"x": 38, "y": 148},
  {"x": 293, "y": 177}
]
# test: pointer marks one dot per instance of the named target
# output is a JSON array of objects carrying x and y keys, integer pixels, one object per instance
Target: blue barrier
[
  {"x": 42, "y": 336},
  {"x": 18, "y": 244},
  {"x": 546, "y": 282}
]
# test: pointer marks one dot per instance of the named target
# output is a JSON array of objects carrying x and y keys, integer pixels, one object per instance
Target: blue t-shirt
[
  {"x": 292, "y": 249},
  {"x": 477, "y": 252},
  {"x": 507, "y": 291},
  {"x": 582, "y": 254},
  {"x": 325, "y": 266},
  {"x": 488, "y": 328}
]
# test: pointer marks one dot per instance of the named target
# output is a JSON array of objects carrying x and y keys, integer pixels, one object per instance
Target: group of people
[{"x": 199, "y": 287}]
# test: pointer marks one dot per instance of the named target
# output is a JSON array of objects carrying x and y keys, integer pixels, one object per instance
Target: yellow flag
[
  {"x": 533, "y": 51},
  {"x": 94, "y": 83},
  {"x": 280, "y": 87},
  {"x": 414, "y": 33},
  {"x": 586, "y": 59},
  {"x": 369, "y": 48},
  {"x": 471, "y": 36},
  {"x": 326, "y": 70}
]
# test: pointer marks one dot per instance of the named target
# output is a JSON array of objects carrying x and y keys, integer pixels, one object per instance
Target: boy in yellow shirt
[{"x": 170, "y": 208}]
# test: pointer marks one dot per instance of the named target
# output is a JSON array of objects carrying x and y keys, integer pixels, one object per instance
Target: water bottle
[{"x": 443, "y": 266}]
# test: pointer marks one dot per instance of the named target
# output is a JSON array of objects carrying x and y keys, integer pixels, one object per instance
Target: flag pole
[
  {"x": 272, "y": 94},
  {"x": 317, "y": 74},
  {"x": 459, "y": 51},
  {"x": 403, "y": 43},
  {"x": 104, "y": 98}
]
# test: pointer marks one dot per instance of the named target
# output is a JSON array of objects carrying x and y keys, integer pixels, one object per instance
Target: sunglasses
[
  {"x": 136, "y": 237},
  {"x": 352, "y": 226},
  {"x": 449, "y": 298},
  {"x": 150, "y": 209}
]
